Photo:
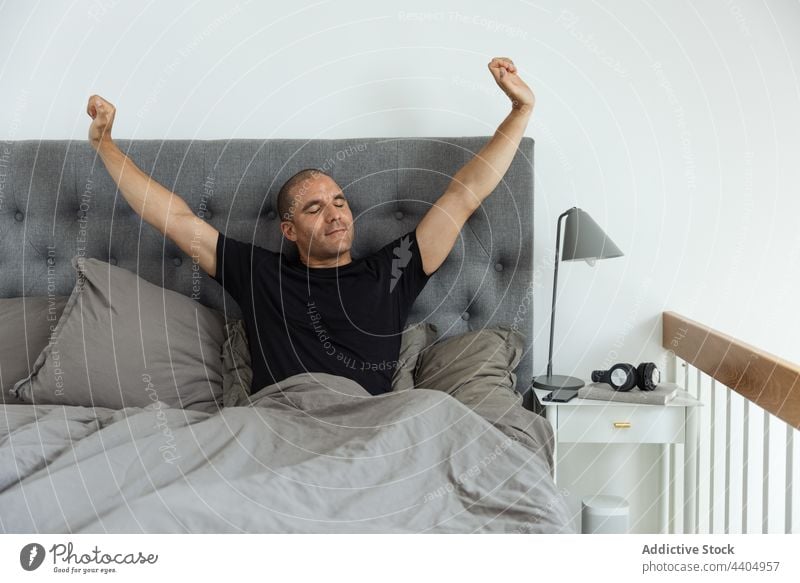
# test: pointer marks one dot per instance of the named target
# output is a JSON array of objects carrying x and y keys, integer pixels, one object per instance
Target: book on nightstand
[{"x": 663, "y": 394}]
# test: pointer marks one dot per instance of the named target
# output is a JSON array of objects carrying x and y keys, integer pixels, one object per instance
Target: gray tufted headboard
[{"x": 57, "y": 200}]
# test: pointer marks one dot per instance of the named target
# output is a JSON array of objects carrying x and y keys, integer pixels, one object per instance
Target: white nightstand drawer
[{"x": 621, "y": 424}]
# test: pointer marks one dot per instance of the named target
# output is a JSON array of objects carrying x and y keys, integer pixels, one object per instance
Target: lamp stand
[{"x": 551, "y": 381}]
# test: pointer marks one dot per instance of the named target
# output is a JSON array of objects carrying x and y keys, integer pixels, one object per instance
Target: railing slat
[
  {"x": 745, "y": 464},
  {"x": 727, "y": 520},
  {"x": 765, "y": 480},
  {"x": 691, "y": 461},
  {"x": 712, "y": 457},
  {"x": 677, "y": 489},
  {"x": 690, "y": 478},
  {"x": 789, "y": 507},
  {"x": 666, "y": 518},
  {"x": 697, "y": 459}
]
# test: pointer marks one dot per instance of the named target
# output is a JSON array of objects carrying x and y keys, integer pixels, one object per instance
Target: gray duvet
[{"x": 313, "y": 453}]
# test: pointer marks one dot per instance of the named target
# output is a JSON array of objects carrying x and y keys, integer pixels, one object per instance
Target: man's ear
[{"x": 287, "y": 227}]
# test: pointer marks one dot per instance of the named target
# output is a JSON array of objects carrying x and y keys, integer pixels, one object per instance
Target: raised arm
[
  {"x": 163, "y": 209},
  {"x": 439, "y": 228}
]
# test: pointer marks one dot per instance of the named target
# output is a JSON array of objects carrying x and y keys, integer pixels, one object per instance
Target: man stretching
[{"x": 326, "y": 312}]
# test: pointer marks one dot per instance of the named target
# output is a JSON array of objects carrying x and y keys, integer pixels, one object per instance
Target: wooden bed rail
[{"x": 763, "y": 378}]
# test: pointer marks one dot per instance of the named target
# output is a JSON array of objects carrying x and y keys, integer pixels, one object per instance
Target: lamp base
[{"x": 557, "y": 381}]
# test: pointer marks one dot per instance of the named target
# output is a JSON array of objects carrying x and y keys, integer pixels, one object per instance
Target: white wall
[{"x": 676, "y": 125}]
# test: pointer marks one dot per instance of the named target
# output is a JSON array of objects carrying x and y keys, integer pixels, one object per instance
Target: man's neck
[{"x": 339, "y": 261}]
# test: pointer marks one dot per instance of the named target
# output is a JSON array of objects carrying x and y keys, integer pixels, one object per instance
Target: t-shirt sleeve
[
  {"x": 234, "y": 265},
  {"x": 407, "y": 279}
]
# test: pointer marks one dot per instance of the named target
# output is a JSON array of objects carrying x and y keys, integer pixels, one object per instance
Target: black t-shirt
[{"x": 345, "y": 320}]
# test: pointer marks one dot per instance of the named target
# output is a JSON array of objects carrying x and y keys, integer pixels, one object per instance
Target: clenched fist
[
  {"x": 505, "y": 74},
  {"x": 102, "y": 114}
]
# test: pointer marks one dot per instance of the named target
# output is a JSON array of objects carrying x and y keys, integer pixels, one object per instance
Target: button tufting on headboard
[{"x": 64, "y": 203}]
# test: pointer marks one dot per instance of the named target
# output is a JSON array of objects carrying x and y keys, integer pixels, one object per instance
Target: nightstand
[{"x": 610, "y": 422}]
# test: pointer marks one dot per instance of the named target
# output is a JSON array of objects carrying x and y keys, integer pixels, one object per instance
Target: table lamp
[{"x": 583, "y": 239}]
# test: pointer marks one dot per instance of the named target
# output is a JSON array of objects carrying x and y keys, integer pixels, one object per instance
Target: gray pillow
[
  {"x": 416, "y": 338},
  {"x": 476, "y": 369},
  {"x": 124, "y": 342},
  {"x": 25, "y": 327},
  {"x": 483, "y": 357}
]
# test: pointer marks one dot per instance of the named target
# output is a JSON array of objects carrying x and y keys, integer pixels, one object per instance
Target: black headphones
[{"x": 623, "y": 376}]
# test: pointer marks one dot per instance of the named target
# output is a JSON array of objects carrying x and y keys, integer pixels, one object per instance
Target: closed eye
[
  {"x": 314, "y": 207},
  {"x": 338, "y": 201}
]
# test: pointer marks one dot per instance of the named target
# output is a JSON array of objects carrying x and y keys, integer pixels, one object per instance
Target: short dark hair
[{"x": 288, "y": 191}]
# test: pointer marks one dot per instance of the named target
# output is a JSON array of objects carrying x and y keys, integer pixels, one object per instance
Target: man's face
[{"x": 322, "y": 224}]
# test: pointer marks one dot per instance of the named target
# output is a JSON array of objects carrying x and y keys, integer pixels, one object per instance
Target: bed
[{"x": 308, "y": 454}]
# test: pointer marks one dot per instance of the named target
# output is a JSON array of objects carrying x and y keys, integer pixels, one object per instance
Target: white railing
[{"x": 745, "y": 464}]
